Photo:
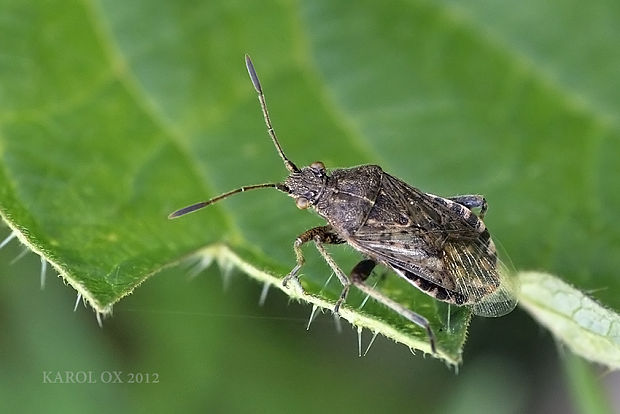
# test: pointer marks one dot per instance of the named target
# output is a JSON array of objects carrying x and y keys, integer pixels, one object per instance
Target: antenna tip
[
  {"x": 250, "y": 66},
  {"x": 188, "y": 209}
]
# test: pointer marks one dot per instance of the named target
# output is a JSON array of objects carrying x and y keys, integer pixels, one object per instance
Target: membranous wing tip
[{"x": 502, "y": 300}]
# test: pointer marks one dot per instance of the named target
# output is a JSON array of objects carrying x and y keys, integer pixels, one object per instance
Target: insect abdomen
[{"x": 436, "y": 291}]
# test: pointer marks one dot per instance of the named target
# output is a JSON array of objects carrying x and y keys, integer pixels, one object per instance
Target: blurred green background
[
  {"x": 219, "y": 351},
  {"x": 516, "y": 101}
]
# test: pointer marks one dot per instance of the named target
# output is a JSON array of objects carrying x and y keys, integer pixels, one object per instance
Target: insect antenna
[
  {"x": 190, "y": 209},
  {"x": 261, "y": 97}
]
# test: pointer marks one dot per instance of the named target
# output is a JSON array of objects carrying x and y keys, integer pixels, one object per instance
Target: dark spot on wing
[
  {"x": 457, "y": 208},
  {"x": 484, "y": 236},
  {"x": 441, "y": 201},
  {"x": 472, "y": 220}
]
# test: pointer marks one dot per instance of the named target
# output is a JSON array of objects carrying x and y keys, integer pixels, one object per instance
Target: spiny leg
[
  {"x": 360, "y": 273},
  {"x": 346, "y": 283},
  {"x": 324, "y": 234},
  {"x": 472, "y": 201}
]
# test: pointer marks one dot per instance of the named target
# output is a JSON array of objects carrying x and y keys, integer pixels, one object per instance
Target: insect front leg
[
  {"x": 472, "y": 201},
  {"x": 360, "y": 273},
  {"x": 323, "y": 234}
]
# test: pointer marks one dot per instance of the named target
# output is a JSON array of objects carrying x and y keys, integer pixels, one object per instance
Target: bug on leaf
[{"x": 437, "y": 244}]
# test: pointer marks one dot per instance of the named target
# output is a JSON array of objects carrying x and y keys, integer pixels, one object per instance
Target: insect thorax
[{"x": 348, "y": 196}]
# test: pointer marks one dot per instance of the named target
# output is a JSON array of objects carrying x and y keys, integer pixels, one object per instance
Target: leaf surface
[{"x": 113, "y": 114}]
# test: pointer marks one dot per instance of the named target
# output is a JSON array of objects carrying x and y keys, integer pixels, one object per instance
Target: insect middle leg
[
  {"x": 472, "y": 201},
  {"x": 360, "y": 273},
  {"x": 346, "y": 283}
]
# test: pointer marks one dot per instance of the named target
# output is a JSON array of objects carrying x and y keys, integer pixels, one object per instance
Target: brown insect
[{"x": 437, "y": 244}]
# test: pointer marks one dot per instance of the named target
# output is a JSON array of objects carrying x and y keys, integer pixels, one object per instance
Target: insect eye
[
  {"x": 317, "y": 165},
  {"x": 302, "y": 203}
]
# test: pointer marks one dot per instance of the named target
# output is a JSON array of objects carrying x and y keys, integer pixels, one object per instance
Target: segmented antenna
[
  {"x": 190, "y": 209},
  {"x": 261, "y": 97},
  {"x": 287, "y": 163}
]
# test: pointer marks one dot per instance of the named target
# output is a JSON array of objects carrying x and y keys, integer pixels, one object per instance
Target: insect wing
[
  {"x": 481, "y": 277},
  {"x": 437, "y": 240},
  {"x": 502, "y": 300}
]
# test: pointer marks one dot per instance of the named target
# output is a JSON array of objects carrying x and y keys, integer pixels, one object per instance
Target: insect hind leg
[
  {"x": 360, "y": 273},
  {"x": 363, "y": 269},
  {"x": 472, "y": 201}
]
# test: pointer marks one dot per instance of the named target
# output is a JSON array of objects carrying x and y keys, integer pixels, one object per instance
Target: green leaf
[
  {"x": 587, "y": 328},
  {"x": 587, "y": 391},
  {"x": 113, "y": 114}
]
